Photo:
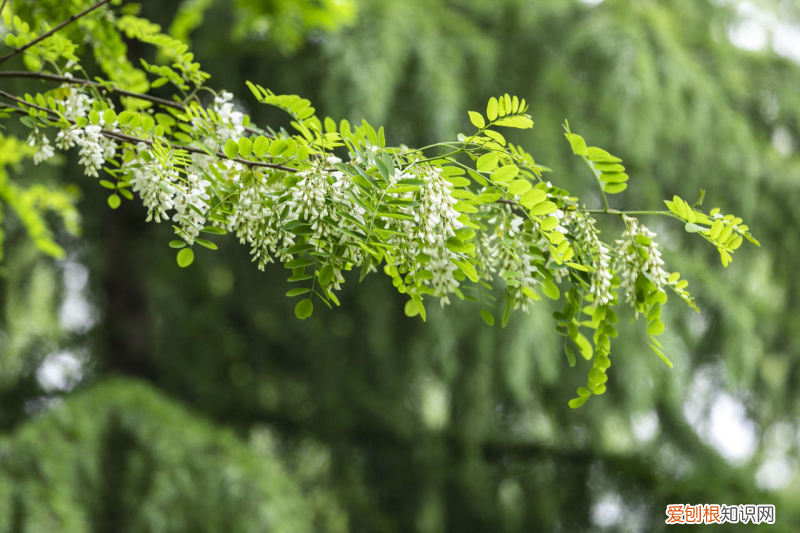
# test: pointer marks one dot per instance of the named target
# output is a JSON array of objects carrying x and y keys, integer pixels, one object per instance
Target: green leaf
[
  {"x": 545, "y": 208},
  {"x": 298, "y": 263},
  {"x": 532, "y": 198},
  {"x": 519, "y": 187},
  {"x": 584, "y": 346},
  {"x": 693, "y": 228},
  {"x": 549, "y": 224},
  {"x": 206, "y": 243},
  {"x": 231, "y": 149},
  {"x": 615, "y": 188},
  {"x": 214, "y": 229},
  {"x": 261, "y": 145},
  {"x": 519, "y": 121},
  {"x": 304, "y": 309},
  {"x": 661, "y": 355},
  {"x": 476, "y": 119},
  {"x": 570, "y": 355},
  {"x": 656, "y": 327},
  {"x": 177, "y": 244},
  {"x": 487, "y": 317},
  {"x": 503, "y": 174},
  {"x": 495, "y": 136},
  {"x": 550, "y": 289},
  {"x": 467, "y": 268},
  {"x": 487, "y": 162},
  {"x": 205, "y": 148},
  {"x": 411, "y": 308},
  {"x": 245, "y": 147},
  {"x": 455, "y": 245},
  {"x": 125, "y": 117},
  {"x": 185, "y": 257},
  {"x": 609, "y": 167},
  {"x": 614, "y": 177},
  {"x": 109, "y": 116},
  {"x": 277, "y": 147},
  {"x": 577, "y": 143},
  {"x": 598, "y": 155},
  {"x": 114, "y": 201},
  {"x": 298, "y": 291},
  {"x": 491, "y": 108},
  {"x": 326, "y": 275},
  {"x": 577, "y": 402}
]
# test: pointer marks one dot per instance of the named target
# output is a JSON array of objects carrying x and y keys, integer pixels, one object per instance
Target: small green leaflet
[
  {"x": 304, "y": 308},
  {"x": 519, "y": 187},
  {"x": 487, "y": 162},
  {"x": 260, "y": 146},
  {"x": 503, "y": 174},
  {"x": 544, "y": 208},
  {"x": 245, "y": 147},
  {"x": 231, "y": 149},
  {"x": 185, "y": 257},
  {"x": 577, "y": 143},
  {"x": 476, "y": 119},
  {"x": 532, "y": 198}
]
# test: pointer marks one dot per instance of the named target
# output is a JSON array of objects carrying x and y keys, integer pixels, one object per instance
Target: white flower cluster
[
  {"x": 191, "y": 206},
  {"x": 255, "y": 222},
  {"x": 637, "y": 254},
  {"x": 153, "y": 182},
  {"x": 95, "y": 148},
  {"x": 312, "y": 199},
  {"x": 587, "y": 237},
  {"x": 514, "y": 258},
  {"x": 45, "y": 151},
  {"x": 232, "y": 120},
  {"x": 434, "y": 221}
]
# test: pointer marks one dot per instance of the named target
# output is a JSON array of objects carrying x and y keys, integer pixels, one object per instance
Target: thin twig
[
  {"x": 122, "y": 92},
  {"x": 134, "y": 140},
  {"x": 81, "y": 81},
  {"x": 47, "y": 34}
]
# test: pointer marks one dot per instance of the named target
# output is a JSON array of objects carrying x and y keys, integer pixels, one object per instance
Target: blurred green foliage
[
  {"x": 388, "y": 425},
  {"x": 123, "y": 457}
]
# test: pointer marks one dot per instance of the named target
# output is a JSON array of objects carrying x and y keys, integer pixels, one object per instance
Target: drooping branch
[
  {"x": 52, "y": 31},
  {"x": 90, "y": 83},
  {"x": 108, "y": 87},
  {"x": 134, "y": 140}
]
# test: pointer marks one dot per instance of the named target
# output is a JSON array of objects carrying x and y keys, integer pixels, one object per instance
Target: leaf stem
[{"x": 597, "y": 177}]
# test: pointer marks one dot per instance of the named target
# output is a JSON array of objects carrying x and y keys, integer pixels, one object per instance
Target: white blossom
[
  {"x": 92, "y": 152},
  {"x": 45, "y": 150},
  {"x": 191, "y": 207},
  {"x": 630, "y": 262},
  {"x": 587, "y": 237}
]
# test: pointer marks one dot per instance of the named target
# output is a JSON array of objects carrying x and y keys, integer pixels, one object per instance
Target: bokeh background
[{"x": 137, "y": 396}]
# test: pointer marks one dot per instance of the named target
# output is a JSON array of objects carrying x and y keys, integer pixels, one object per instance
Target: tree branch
[
  {"x": 47, "y": 34},
  {"x": 134, "y": 140},
  {"x": 81, "y": 81},
  {"x": 121, "y": 92}
]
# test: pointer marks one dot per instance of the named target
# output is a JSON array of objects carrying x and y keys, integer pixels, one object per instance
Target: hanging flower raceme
[
  {"x": 637, "y": 254},
  {"x": 42, "y": 143},
  {"x": 588, "y": 238}
]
